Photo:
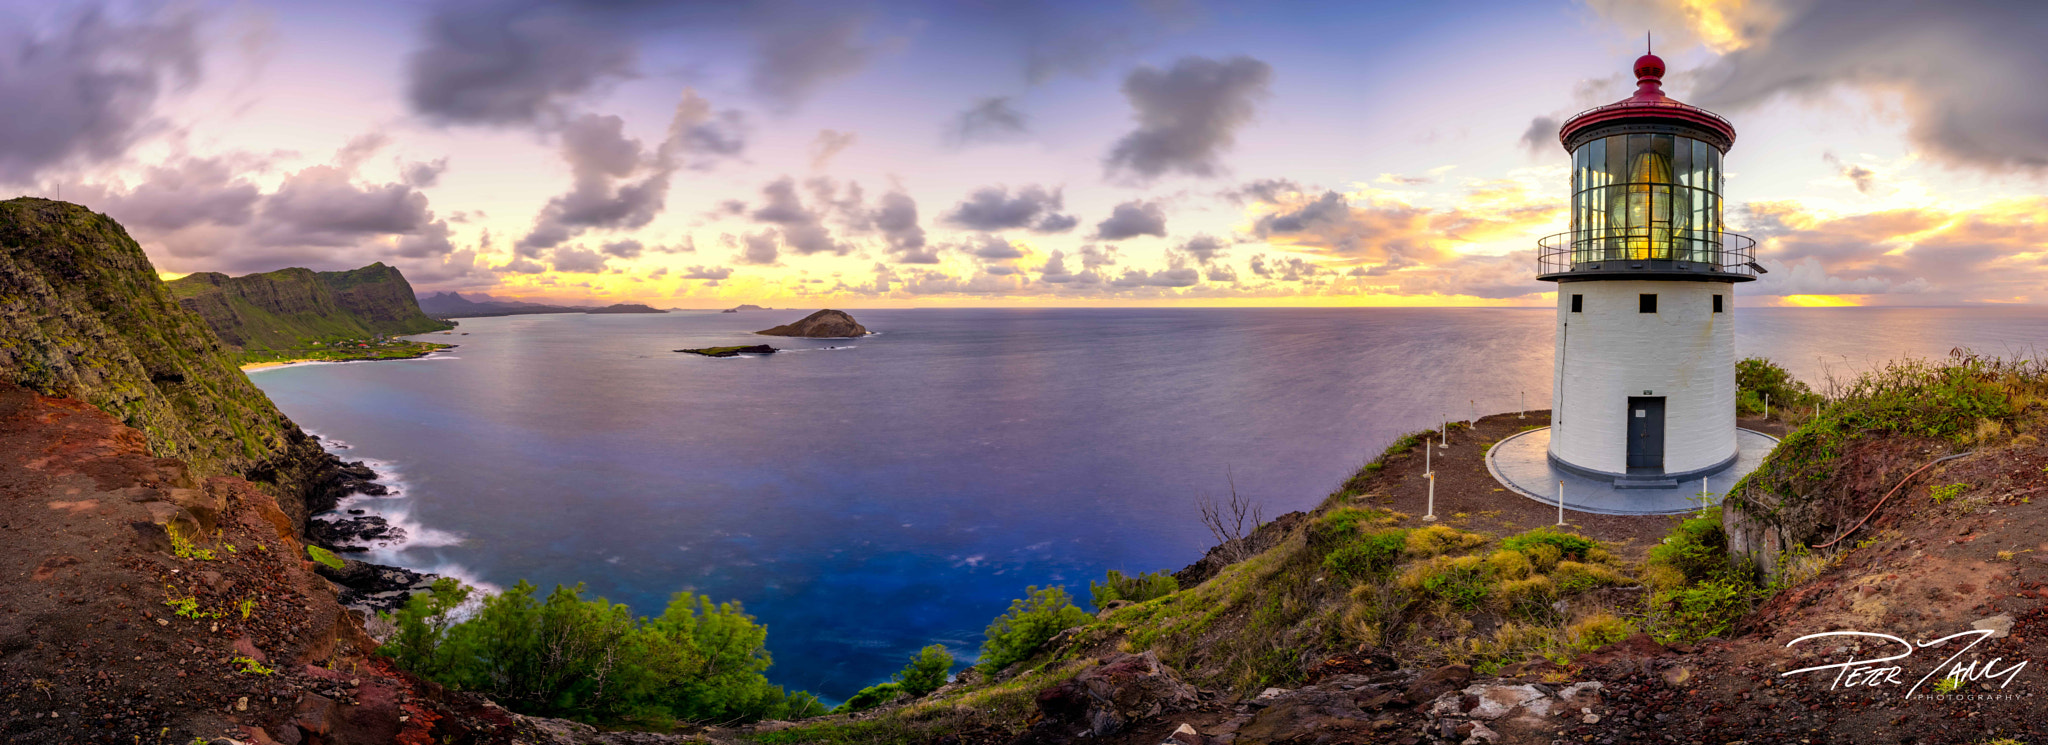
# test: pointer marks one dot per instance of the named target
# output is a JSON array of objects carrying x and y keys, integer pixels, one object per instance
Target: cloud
[
  {"x": 759, "y": 248},
  {"x": 1176, "y": 277},
  {"x": 802, "y": 49},
  {"x": 1132, "y": 219},
  {"x": 322, "y": 206},
  {"x": 424, "y": 174},
  {"x": 625, "y": 249},
  {"x": 1865, "y": 179},
  {"x": 86, "y": 90},
  {"x": 989, "y": 120},
  {"x": 183, "y": 192},
  {"x": 1541, "y": 135},
  {"x": 994, "y": 208},
  {"x": 829, "y": 143},
  {"x": 803, "y": 230},
  {"x": 1990, "y": 252},
  {"x": 897, "y": 220},
  {"x": 602, "y": 160},
  {"x": 1398, "y": 234},
  {"x": 992, "y": 247},
  {"x": 1204, "y": 248},
  {"x": 1953, "y": 65},
  {"x": 510, "y": 63},
  {"x": 616, "y": 183},
  {"x": 1188, "y": 115},
  {"x": 707, "y": 272},
  {"x": 577, "y": 260},
  {"x": 705, "y": 136}
]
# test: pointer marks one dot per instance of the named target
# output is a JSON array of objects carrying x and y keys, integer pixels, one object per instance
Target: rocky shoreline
[{"x": 360, "y": 585}]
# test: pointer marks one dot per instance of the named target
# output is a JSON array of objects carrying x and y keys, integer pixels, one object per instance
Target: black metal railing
[{"x": 1651, "y": 249}]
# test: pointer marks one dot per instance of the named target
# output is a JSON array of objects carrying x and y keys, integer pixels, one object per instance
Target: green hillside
[
  {"x": 83, "y": 315},
  {"x": 298, "y": 308}
]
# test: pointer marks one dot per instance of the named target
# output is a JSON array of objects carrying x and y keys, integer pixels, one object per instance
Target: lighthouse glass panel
[{"x": 1646, "y": 196}]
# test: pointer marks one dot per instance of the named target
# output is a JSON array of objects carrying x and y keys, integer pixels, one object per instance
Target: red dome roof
[{"x": 1649, "y": 102}]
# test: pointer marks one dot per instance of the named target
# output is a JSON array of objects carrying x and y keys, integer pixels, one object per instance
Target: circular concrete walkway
[{"x": 1521, "y": 464}]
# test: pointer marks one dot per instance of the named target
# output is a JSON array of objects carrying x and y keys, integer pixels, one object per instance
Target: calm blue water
[{"x": 866, "y": 501}]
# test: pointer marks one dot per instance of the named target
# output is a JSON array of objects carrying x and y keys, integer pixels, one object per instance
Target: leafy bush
[
  {"x": 1528, "y": 595},
  {"x": 1341, "y": 525},
  {"x": 1461, "y": 581},
  {"x": 591, "y": 660},
  {"x": 1135, "y": 589},
  {"x": 1569, "y": 545},
  {"x": 1031, "y": 620},
  {"x": 927, "y": 671},
  {"x": 1756, "y": 377},
  {"x": 1573, "y": 577},
  {"x": 1509, "y": 564},
  {"x": 871, "y": 697},
  {"x": 1438, "y": 539},
  {"x": 1598, "y": 630},
  {"x": 1942, "y": 494},
  {"x": 1697, "y": 548},
  {"x": 1709, "y": 608},
  {"x": 1369, "y": 555}
]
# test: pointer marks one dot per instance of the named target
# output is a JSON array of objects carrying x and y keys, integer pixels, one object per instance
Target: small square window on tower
[
  {"x": 1578, "y": 303},
  {"x": 1647, "y": 303},
  {"x": 1717, "y": 303}
]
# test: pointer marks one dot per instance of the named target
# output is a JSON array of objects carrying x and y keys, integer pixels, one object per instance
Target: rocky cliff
[
  {"x": 294, "y": 307},
  {"x": 84, "y": 316}
]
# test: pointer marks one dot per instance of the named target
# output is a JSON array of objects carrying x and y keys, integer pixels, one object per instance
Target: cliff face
[
  {"x": 380, "y": 296},
  {"x": 290, "y": 308},
  {"x": 83, "y": 316}
]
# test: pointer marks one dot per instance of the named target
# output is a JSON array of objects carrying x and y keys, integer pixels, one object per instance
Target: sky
[{"x": 921, "y": 154}]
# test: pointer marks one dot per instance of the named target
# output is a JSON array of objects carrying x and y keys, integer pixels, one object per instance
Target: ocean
[{"x": 864, "y": 498}]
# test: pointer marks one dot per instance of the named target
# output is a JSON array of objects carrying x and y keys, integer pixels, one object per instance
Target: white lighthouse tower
[{"x": 1644, "y": 392}]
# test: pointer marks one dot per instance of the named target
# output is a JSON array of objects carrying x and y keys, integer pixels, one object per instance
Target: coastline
[{"x": 412, "y": 350}]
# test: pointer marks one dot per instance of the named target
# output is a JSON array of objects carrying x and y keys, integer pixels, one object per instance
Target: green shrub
[
  {"x": 1574, "y": 577},
  {"x": 1463, "y": 581},
  {"x": 1341, "y": 525},
  {"x": 927, "y": 671},
  {"x": 1509, "y": 564},
  {"x": 1135, "y": 589},
  {"x": 1755, "y": 377},
  {"x": 1942, "y": 494},
  {"x": 1696, "y": 548},
  {"x": 1706, "y": 609},
  {"x": 1369, "y": 555},
  {"x": 592, "y": 660},
  {"x": 1031, "y": 620},
  {"x": 1569, "y": 545},
  {"x": 324, "y": 556},
  {"x": 1598, "y": 630},
  {"x": 1439, "y": 539},
  {"x": 871, "y": 697}
]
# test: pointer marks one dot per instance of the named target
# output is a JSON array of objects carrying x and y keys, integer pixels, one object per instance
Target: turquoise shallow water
[{"x": 899, "y": 490}]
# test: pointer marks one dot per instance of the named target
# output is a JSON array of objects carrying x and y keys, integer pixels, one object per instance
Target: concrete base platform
[{"x": 1521, "y": 464}]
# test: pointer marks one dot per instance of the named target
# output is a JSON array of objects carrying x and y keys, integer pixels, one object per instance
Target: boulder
[
  {"x": 1124, "y": 689},
  {"x": 1292, "y": 716},
  {"x": 1437, "y": 682},
  {"x": 824, "y": 324}
]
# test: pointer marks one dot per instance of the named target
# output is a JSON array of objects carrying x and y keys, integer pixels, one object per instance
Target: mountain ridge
[{"x": 297, "y": 307}]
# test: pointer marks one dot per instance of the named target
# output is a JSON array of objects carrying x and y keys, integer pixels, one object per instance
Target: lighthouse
[{"x": 1644, "y": 384}]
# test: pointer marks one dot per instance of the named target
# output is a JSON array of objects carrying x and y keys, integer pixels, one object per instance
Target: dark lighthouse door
[{"x": 1645, "y": 434}]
